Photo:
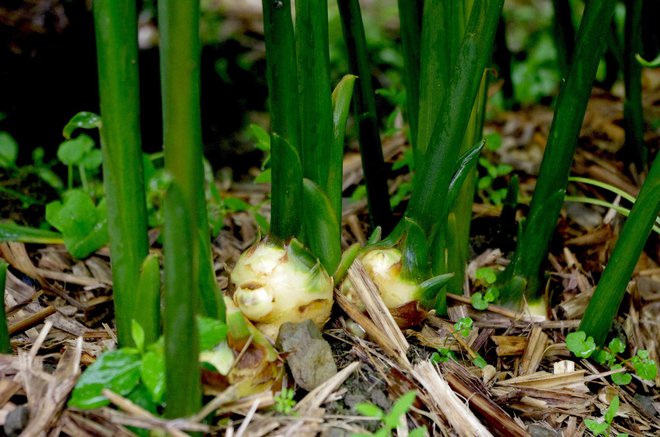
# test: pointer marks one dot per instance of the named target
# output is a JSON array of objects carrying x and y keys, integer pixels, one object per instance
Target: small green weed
[
  {"x": 602, "y": 428},
  {"x": 284, "y": 402},
  {"x": 486, "y": 277},
  {"x": 584, "y": 347},
  {"x": 390, "y": 420}
]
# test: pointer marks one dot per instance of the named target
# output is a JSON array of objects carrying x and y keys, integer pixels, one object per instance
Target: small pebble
[{"x": 17, "y": 419}]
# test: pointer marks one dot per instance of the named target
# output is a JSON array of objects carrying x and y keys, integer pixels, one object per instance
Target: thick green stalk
[
  {"x": 286, "y": 197},
  {"x": 364, "y": 105},
  {"x": 116, "y": 40},
  {"x": 409, "y": 23},
  {"x": 179, "y": 63},
  {"x": 632, "y": 77},
  {"x": 564, "y": 31},
  {"x": 312, "y": 52},
  {"x": 451, "y": 255},
  {"x": 435, "y": 172},
  {"x": 611, "y": 288},
  {"x": 443, "y": 30},
  {"x": 533, "y": 246},
  {"x": 148, "y": 299},
  {"x": 5, "y": 345}
]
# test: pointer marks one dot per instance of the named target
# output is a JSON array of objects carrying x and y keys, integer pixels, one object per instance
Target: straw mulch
[{"x": 60, "y": 314}]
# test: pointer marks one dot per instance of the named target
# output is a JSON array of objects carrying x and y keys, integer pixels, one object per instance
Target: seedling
[
  {"x": 464, "y": 326},
  {"x": 585, "y": 347},
  {"x": 487, "y": 277},
  {"x": 390, "y": 420},
  {"x": 492, "y": 174},
  {"x": 137, "y": 372},
  {"x": 602, "y": 428},
  {"x": 284, "y": 402},
  {"x": 442, "y": 355}
]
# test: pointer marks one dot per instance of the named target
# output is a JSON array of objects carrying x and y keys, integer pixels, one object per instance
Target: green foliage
[
  {"x": 141, "y": 368},
  {"x": 8, "y": 150},
  {"x": 645, "y": 367},
  {"x": 584, "y": 347},
  {"x": 486, "y": 277},
  {"x": 83, "y": 224},
  {"x": 82, "y": 120},
  {"x": 580, "y": 345},
  {"x": 464, "y": 326},
  {"x": 602, "y": 428},
  {"x": 442, "y": 355},
  {"x": 117, "y": 370},
  {"x": 479, "y": 361},
  {"x": 284, "y": 402},
  {"x": 390, "y": 420},
  {"x": 487, "y": 184}
]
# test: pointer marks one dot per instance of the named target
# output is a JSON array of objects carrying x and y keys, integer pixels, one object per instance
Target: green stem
[
  {"x": 611, "y": 288},
  {"x": 435, "y": 172},
  {"x": 532, "y": 248},
  {"x": 409, "y": 18},
  {"x": 564, "y": 31},
  {"x": 5, "y": 345},
  {"x": 286, "y": 196},
  {"x": 632, "y": 77},
  {"x": 116, "y": 37},
  {"x": 364, "y": 105},
  {"x": 312, "y": 50},
  {"x": 179, "y": 61},
  {"x": 148, "y": 299}
]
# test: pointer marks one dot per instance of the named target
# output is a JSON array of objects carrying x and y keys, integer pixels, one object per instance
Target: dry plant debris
[{"x": 60, "y": 315}]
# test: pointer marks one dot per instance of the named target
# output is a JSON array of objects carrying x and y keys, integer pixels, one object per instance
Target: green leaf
[
  {"x": 616, "y": 346},
  {"x": 211, "y": 332},
  {"x": 10, "y": 231},
  {"x": 478, "y": 302},
  {"x": 479, "y": 361},
  {"x": 418, "y": 432},
  {"x": 464, "y": 326},
  {"x": 92, "y": 159},
  {"x": 443, "y": 355},
  {"x": 492, "y": 294},
  {"x": 82, "y": 120},
  {"x": 598, "y": 428},
  {"x": 72, "y": 152},
  {"x": 235, "y": 204},
  {"x": 8, "y": 150},
  {"x": 580, "y": 345},
  {"x": 465, "y": 164},
  {"x": 152, "y": 372},
  {"x": 261, "y": 136},
  {"x": 649, "y": 64},
  {"x": 117, "y": 370},
  {"x": 399, "y": 409},
  {"x": 621, "y": 378},
  {"x": 138, "y": 335},
  {"x": 603, "y": 357},
  {"x": 369, "y": 410},
  {"x": 141, "y": 397},
  {"x": 322, "y": 232},
  {"x": 264, "y": 177},
  {"x": 611, "y": 410},
  {"x": 644, "y": 366},
  {"x": 486, "y": 274},
  {"x": 84, "y": 226}
]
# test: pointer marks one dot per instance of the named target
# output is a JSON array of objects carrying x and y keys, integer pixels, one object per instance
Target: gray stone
[
  {"x": 536, "y": 430},
  {"x": 16, "y": 420},
  {"x": 308, "y": 355}
]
